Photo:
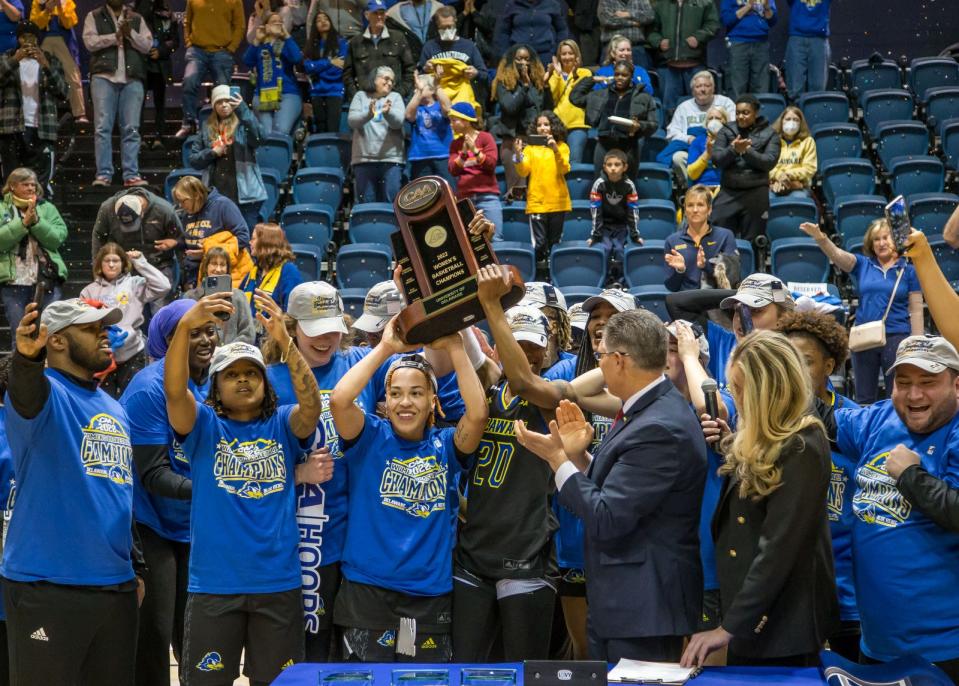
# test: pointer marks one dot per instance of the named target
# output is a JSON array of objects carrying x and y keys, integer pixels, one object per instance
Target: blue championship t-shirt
[
  {"x": 145, "y": 400},
  {"x": 839, "y": 510},
  {"x": 906, "y": 567},
  {"x": 398, "y": 534},
  {"x": 243, "y": 522},
  {"x": 6, "y": 482},
  {"x": 74, "y": 467}
]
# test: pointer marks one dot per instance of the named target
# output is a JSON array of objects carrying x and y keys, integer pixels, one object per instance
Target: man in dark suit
[{"x": 639, "y": 497}]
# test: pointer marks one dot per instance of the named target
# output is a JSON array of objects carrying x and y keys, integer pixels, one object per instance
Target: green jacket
[
  {"x": 698, "y": 18},
  {"x": 50, "y": 232}
]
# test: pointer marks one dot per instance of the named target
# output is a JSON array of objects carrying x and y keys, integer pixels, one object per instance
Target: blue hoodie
[
  {"x": 753, "y": 28},
  {"x": 326, "y": 79},
  {"x": 809, "y": 18}
]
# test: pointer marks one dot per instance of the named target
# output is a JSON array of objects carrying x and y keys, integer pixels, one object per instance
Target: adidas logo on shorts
[
  {"x": 428, "y": 643},
  {"x": 39, "y": 635}
]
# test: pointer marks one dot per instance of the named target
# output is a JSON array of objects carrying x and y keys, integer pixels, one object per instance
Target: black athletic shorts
[
  {"x": 218, "y": 627},
  {"x": 712, "y": 615},
  {"x": 369, "y": 617},
  {"x": 319, "y": 603},
  {"x": 572, "y": 583}
]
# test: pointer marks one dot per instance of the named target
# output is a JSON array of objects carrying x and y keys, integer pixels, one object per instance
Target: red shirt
[{"x": 473, "y": 177}]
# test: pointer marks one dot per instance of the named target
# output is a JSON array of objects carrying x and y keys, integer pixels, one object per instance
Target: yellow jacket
[
  {"x": 798, "y": 160},
  {"x": 240, "y": 259},
  {"x": 574, "y": 117},
  {"x": 454, "y": 81},
  {"x": 546, "y": 190},
  {"x": 66, "y": 11}
]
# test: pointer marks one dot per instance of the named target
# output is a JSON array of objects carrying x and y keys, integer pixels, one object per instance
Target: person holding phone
[
  {"x": 274, "y": 267},
  {"x": 271, "y": 56},
  {"x": 239, "y": 327},
  {"x": 884, "y": 279}
]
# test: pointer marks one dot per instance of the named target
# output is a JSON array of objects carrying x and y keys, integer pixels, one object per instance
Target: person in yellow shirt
[
  {"x": 545, "y": 161},
  {"x": 57, "y": 19},
  {"x": 797, "y": 157},
  {"x": 563, "y": 73}
]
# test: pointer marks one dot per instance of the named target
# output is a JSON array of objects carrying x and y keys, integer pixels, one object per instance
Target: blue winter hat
[
  {"x": 463, "y": 110},
  {"x": 163, "y": 324}
]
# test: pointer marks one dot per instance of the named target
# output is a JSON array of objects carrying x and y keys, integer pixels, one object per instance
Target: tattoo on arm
[{"x": 307, "y": 393}]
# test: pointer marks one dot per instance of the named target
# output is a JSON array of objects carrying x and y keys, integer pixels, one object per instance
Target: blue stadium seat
[
  {"x": 643, "y": 265},
  {"x": 312, "y": 224},
  {"x": 747, "y": 258},
  {"x": 309, "y": 259},
  {"x": 577, "y": 264},
  {"x": 865, "y": 76},
  {"x": 824, "y": 107},
  {"x": 372, "y": 222},
  {"x": 186, "y": 148},
  {"x": 276, "y": 152},
  {"x": 847, "y": 177},
  {"x": 578, "y": 223},
  {"x": 942, "y": 104},
  {"x": 363, "y": 265},
  {"x": 772, "y": 105},
  {"x": 327, "y": 150},
  {"x": 577, "y": 294},
  {"x": 657, "y": 219},
  {"x": 652, "y": 298},
  {"x": 520, "y": 255},
  {"x": 947, "y": 259},
  {"x": 882, "y": 105},
  {"x": 501, "y": 180},
  {"x": 580, "y": 181},
  {"x": 854, "y": 214},
  {"x": 909, "y": 175},
  {"x": 929, "y": 212},
  {"x": 926, "y": 73},
  {"x": 345, "y": 121},
  {"x": 652, "y": 146},
  {"x": 353, "y": 299},
  {"x": 319, "y": 185},
  {"x": 516, "y": 224},
  {"x": 950, "y": 143},
  {"x": 272, "y": 182},
  {"x": 786, "y": 214},
  {"x": 836, "y": 142},
  {"x": 654, "y": 181},
  {"x": 905, "y": 138},
  {"x": 799, "y": 259},
  {"x": 173, "y": 177}
]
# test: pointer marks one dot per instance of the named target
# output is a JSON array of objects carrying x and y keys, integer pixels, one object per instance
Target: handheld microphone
[{"x": 711, "y": 391}]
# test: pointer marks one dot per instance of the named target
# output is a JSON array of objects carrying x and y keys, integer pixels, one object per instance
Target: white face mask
[
  {"x": 790, "y": 128},
  {"x": 713, "y": 126},
  {"x": 448, "y": 34}
]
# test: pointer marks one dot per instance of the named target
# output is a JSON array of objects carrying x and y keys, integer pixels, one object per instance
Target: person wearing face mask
[
  {"x": 690, "y": 114},
  {"x": 277, "y": 101},
  {"x": 701, "y": 169},
  {"x": 118, "y": 40},
  {"x": 797, "y": 165},
  {"x": 449, "y": 45}
]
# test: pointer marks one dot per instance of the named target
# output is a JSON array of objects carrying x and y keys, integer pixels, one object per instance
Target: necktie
[{"x": 617, "y": 419}]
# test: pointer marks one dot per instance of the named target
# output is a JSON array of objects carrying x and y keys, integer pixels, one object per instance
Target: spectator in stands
[
  {"x": 225, "y": 150},
  {"x": 346, "y": 15},
  {"x": 414, "y": 19},
  {"x": 939, "y": 294},
  {"x": 888, "y": 290},
  {"x": 472, "y": 161},
  {"x": 210, "y": 219},
  {"x": 693, "y": 113},
  {"x": 462, "y": 70},
  {"x": 779, "y": 594},
  {"x": 382, "y": 302},
  {"x": 115, "y": 285},
  {"x": 547, "y": 197},
  {"x": 823, "y": 343},
  {"x": 274, "y": 267},
  {"x": 212, "y": 32},
  {"x": 747, "y": 25},
  {"x": 58, "y": 19},
  {"x": 521, "y": 91},
  {"x": 292, "y": 13},
  {"x": 797, "y": 165},
  {"x": 614, "y": 206},
  {"x": 277, "y": 99},
  {"x": 137, "y": 219},
  {"x": 745, "y": 152},
  {"x": 431, "y": 135},
  {"x": 166, "y": 40},
  {"x": 374, "y": 48},
  {"x": 629, "y": 19},
  {"x": 807, "y": 50},
  {"x": 620, "y": 49},
  {"x": 31, "y": 233},
  {"x": 700, "y": 168},
  {"x": 680, "y": 34},
  {"x": 376, "y": 118},
  {"x": 11, "y": 12},
  {"x": 325, "y": 57},
  {"x": 562, "y": 75},
  {"x": 539, "y": 24},
  {"x": 239, "y": 327},
  {"x": 31, "y": 88},
  {"x": 626, "y": 100},
  {"x": 691, "y": 252},
  {"x": 118, "y": 40}
]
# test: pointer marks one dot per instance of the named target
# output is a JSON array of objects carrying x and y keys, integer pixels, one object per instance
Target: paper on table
[{"x": 639, "y": 672}]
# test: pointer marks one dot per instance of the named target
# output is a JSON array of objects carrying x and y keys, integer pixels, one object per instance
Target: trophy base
[{"x": 450, "y": 310}]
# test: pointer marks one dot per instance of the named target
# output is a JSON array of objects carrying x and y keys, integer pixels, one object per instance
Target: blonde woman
[
  {"x": 271, "y": 56},
  {"x": 773, "y": 549},
  {"x": 564, "y": 72},
  {"x": 798, "y": 161}
]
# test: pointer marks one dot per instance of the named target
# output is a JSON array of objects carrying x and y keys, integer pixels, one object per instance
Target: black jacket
[
  {"x": 166, "y": 35},
  {"x": 751, "y": 169},
  {"x": 518, "y": 108},
  {"x": 159, "y": 221},
  {"x": 363, "y": 57},
  {"x": 774, "y": 557},
  {"x": 642, "y": 108}
]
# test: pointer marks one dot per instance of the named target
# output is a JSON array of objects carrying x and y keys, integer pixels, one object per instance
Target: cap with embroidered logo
[
  {"x": 528, "y": 324},
  {"x": 578, "y": 317},
  {"x": 933, "y": 354},
  {"x": 376, "y": 6},
  {"x": 698, "y": 334},
  {"x": 317, "y": 308},
  {"x": 382, "y": 303},
  {"x": 541, "y": 294},
  {"x": 63, "y": 313},
  {"x": 759, "y": 290},
  {"x": 225, "y": 355},
  {"x": 621, "y": 300}
]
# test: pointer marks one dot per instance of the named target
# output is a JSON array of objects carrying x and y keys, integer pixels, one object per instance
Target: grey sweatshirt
[{"x": 377, "y": 141}]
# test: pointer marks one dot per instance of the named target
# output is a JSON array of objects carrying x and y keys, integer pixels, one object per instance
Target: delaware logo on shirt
[
  {"x": 877, "y": 500},
  {"x": 105, "y": 450},
  {"x": 178, "y": 453},
  {"x": 211, "y": 662},
  {"x": 388, "y": 639},
  {"x": 253, "y": 469},
  {"x": 837, "y": 493},
  {"x": 417, "y": 485}
]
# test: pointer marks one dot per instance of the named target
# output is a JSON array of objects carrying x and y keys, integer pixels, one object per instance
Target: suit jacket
[
  {"x": 774, "y": 557},
  {"x": 640, "y": 502}
]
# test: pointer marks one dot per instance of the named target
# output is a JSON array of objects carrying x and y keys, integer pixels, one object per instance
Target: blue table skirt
[{"x": 307, "y": 674}]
